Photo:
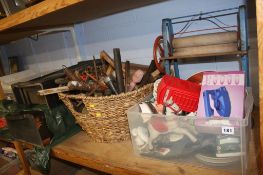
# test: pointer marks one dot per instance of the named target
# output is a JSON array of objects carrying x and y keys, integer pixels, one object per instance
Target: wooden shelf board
[
  {"x": 119, "y": 158},
  {"x": 29, "y": 17},
  {"x": 50, "y": 13},
  {"x": 259, "y": 11},
  {"x": 205, "y": 55}
]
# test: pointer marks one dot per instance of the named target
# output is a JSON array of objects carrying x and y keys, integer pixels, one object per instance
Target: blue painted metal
[
  {"x": 165, "y": 24},
  {"x": 245, "y": 68},
  {"x": 176, "y": 69},
  {"x": 167, "y": 32},
  {"x": 243, "y": 29}
]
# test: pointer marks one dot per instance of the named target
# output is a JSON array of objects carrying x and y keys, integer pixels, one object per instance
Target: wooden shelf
[
  {"x": 50, "y": 13},
  {"x": 119, "y": 159}
]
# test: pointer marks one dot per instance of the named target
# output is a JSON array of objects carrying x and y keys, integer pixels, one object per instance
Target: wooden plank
[
  {"x": 21, "y": 155},
  {"x": 119, "y": 158},
  {"x": 253, "y": 167},
  {"x": 50, "y": 13},
  {"x": 205, "y": 50},
  {"x": 189, "y": 56},
  {"x": 104, "y": 55},
  {"x": 205, "y": 39},
  {"x": 2, "y": 94},
  {"x": 33, "y": 172},
  {"x": 259, "y": 9},
  {"x": 34, "y": 12},
  {"x": 54, "y": 90}
]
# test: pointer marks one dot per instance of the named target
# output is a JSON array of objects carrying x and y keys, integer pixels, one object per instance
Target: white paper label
[{"x": 228, "y": 130}]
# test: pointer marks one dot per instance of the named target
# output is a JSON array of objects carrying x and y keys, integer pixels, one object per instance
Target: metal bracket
[{"x": 64, "y": 29}]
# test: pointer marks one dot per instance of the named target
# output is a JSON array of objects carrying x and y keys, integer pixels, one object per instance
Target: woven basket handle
[{"x": 68, "y": 101}]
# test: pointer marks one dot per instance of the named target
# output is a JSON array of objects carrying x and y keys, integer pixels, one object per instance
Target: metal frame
[
  {"x": 167, "y": 32},
  {"x": 63, "y": 29},
  {"x": 243, "y": 29}
]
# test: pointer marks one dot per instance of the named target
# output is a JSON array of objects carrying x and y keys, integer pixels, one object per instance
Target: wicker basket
[{"x": 106, "y": 119}]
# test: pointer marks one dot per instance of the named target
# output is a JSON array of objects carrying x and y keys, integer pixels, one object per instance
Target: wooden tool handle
[
  {"x": 102, "y": 84},
  {"x": 109, "y": 71},
  {"x": 71, "y": 75},
  {"x": 155, "y": 74},
  {"x": 72, "y": 85},
  {"x": 2, "y": 95},
  {"x": 118, "y": 70},
  {"x": 127, "y": 76},
  {"x": 105, "y": 56},
  {"x": 53, "y": 90},
  {"x": 147, "y": 76}
]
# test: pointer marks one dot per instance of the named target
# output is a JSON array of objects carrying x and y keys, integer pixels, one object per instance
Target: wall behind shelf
[{"x": 49, "y": 52}]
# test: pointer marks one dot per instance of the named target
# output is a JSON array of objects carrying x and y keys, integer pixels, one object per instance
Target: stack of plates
[{"x": 216, "y": 161}]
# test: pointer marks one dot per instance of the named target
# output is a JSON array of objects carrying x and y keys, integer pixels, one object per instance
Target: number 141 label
[{"x": 228, "y": 130}]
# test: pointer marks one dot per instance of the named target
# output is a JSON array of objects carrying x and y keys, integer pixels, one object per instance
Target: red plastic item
[
  {"x": 159, "y": 124},
  {"x": 158, "y": 52},
  {"x": 3, "y": 123},
  {"x": 184, "y": 93}
]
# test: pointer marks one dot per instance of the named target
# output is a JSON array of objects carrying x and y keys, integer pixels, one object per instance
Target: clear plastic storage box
[{"x": 210, "y": 142}]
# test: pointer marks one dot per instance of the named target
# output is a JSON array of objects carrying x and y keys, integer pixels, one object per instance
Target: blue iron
[{"x": 221, "y": 102}]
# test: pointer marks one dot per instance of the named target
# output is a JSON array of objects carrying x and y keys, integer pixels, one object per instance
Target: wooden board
[
  {"x": 32, "y": 171},
  {"x": 259, "y": 9},
  {"x": 54, "y": 90},
  {"x": 119, "y": 158},
  {"x": 205, "y": 50},
  {"x": 29, "y": 15},
  {"x": 50, "y": 13},
  {"x": 203, "y": 55},
  {"x": 22, "y": 157},
  {"x": 205, "y": 39},
  {"x": 2, "y": 94}
]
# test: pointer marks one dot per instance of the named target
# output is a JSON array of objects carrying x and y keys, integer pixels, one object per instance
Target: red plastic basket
[{"x": 184, "y": 93}]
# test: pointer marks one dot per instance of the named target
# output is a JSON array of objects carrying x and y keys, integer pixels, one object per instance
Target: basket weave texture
[{"x": 106, "y": 119}]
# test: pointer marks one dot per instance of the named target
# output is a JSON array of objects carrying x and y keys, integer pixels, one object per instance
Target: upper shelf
[{"x": 55, "y": 13}]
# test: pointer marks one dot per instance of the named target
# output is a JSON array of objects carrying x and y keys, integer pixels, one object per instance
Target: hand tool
[
  {"x": 127, "y": 76},
  {"x": 109, "y": 83},
  {"x": 118, "y": 70}
]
